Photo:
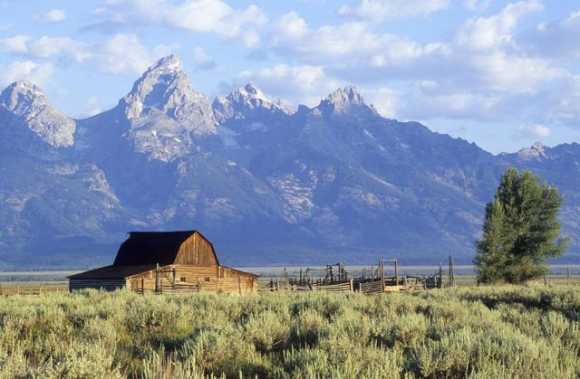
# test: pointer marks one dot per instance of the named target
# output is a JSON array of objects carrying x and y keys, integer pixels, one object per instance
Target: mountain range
[{"x": 267, "y": 185}]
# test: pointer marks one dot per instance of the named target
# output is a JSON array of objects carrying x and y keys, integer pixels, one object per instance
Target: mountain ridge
[{"x": 336, "y": 181}]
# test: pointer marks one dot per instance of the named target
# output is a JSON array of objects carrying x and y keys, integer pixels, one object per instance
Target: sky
[{"x": 502, "y": 74}]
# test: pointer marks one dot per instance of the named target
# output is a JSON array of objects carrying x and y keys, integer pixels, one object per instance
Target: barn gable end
[
  {"x": 197, "y": 251},
  {"x": 166, "y": 248}
]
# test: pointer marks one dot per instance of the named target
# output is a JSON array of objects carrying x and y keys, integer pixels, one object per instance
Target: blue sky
[{"x": 503, "y": 74}]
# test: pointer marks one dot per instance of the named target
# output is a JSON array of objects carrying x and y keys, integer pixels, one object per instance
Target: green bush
[{"x": 510, "y": 331}]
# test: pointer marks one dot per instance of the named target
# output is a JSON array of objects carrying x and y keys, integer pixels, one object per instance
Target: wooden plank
[{"x": 196, "y": 251}]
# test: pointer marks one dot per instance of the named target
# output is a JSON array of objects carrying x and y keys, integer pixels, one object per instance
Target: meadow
[{"x": 474, "y": 332}]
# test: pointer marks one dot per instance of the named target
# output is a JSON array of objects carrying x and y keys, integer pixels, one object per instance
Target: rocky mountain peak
[
  {"x": 536, "y": 152},
  {"x": 170, "y": 63},
  {"x": 243, "y": 102},
  {"x": 346, "y": 95},
  {"x": 19, "y": 96},
  {"x": 164, "y": 90},
  {"x": 344, "y": 100},
  {"x": 28, "y": 104}
]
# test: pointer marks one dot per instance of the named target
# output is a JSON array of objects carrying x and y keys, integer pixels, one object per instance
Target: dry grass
[{"x": 525, "y": 332}]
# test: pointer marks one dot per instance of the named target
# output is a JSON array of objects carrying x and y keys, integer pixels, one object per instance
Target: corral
[
  {"x": 372, "y": 280},
  {"x": 166, "y": 262}
]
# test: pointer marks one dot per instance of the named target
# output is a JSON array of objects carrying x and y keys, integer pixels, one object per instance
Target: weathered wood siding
[
  {"x": 211, "y": 279},
  {"x": 105, "y": 284},
  {"x": 196, "y": 251}
]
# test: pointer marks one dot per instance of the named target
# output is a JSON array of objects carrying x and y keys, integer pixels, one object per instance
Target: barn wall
[
  {"x": 168, "y": 275},
  {"x": 211, "y": 279},
  {"x": 192, "y": 273},
  {"x": 105, "y": 284},
  {"x": 235, "y": 285},
  {"x": 144, "y": 281},
  {"x": 196, "y": 251}
]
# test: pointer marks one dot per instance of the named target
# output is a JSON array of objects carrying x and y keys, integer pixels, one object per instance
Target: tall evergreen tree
[
  {"x": 521, "y": 230},
  {"x": 490, "y": 258}
]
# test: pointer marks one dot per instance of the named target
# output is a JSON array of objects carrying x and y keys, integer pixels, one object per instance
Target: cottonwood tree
[{"x": 521, "y": 230}]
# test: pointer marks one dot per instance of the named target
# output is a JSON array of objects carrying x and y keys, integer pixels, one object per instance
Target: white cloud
[
  {"x": 507, "y": 73},
  {"x": 557, "y": 39},
  {"x": 379, "y": 10},
  {"x": 46, "y": 47},
  {"x": 292, "y": 26},
  {"x": 54, "y": 16},
  {"x": 200, "y": 16},
  {"x": 475, "y": 75},
  {"x": 477, "y": 5},
  {"x": 385, "y": 100},
  {"x": 533, "y": 132},
  {"x": 202, "y": 60},
  {"x": 35, "y": 72},
  {"x": 351, "y": 42},
  {"x": 495, "y": 31},
  {"x": 16, "y": 44},
  {"x": 124, "y": 53},
  {"x": 298, "y": 84},
  {"x": 121, "y": 53},
  {"x": 431, "y": 99}
]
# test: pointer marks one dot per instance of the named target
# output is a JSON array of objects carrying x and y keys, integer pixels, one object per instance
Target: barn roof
[
  {"x": 112, "y": 272},
  {"x": 144, "y": 248}
]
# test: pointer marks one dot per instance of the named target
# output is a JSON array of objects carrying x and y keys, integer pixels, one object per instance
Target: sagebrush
[{"x": 525, "y": 332}]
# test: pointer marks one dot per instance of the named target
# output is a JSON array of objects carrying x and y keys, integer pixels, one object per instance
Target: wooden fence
[
  {"x": 337, "y": 287},
  {"x": 376, "y": 286},
  {"x": 31, "y": 290}
]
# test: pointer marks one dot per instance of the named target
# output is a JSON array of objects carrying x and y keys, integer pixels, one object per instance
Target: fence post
[
  {"x": 382, "y": 268},
  {"x": 351, "y": 286},
  {"x": 451, "y": 272},
  {"x": 440, "y": 284},
  {"x": 396, "y": 272},
  {"x": 157, "y": 284}
]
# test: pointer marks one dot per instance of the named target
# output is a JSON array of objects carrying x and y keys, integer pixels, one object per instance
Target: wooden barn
[{"x": 166, "y": 262}]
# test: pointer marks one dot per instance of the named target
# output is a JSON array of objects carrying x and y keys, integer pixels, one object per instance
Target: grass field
[{"x": 509, "y": 331}]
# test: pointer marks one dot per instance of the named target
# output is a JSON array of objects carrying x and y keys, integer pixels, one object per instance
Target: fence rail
[
  {"x": 338, "y": 287},
  {"x": 372, "y": 287},
  {"x": 31, "y": 290}
]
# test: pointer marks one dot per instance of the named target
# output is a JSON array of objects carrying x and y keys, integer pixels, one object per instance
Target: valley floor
[{"x": 476, "y": 332}]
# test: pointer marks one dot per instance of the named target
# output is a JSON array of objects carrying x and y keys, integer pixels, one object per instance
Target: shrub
[{"x": 509, "y": 331}]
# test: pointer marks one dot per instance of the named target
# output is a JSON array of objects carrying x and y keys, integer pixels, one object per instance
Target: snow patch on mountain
[{"x": 245, "y": 102}]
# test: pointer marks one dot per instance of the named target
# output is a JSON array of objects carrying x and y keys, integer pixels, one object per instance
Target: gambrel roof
[{"x": 150, "y": 248}]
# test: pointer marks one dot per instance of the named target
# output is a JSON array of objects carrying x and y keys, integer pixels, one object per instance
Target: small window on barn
[
  {"x": 207, "y": 279},
  {"x": 183, "y": 279}
]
